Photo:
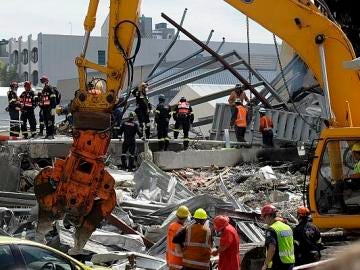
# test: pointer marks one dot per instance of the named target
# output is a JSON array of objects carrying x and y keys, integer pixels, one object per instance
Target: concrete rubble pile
[{"x": 146, "y": 205}]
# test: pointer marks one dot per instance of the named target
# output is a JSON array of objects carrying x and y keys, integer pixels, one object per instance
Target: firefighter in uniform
[
  {"x": 28, "y": 104},
  {"x": 143, "y": 108},
  {"x": 130, "y": 129},
  {"x": 184, "y": 117},
  {"x": 307, "y": 238},
  {"x": 279, "y": 242},
  {"x": 239, "y": 119},
  {"x": 266, "y": 126},
  {"x": 162, "y": 117},
  {"x": 195, "y": 242},
  {"x": 174, "y": 259},
  {"x": 14, "y": 109},
  {"x": 48, "y": 104}
]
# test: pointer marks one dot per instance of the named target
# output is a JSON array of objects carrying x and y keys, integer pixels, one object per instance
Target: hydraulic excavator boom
[
  {"x": 78, "y": 189},
  {"x": 320, "y": 42}
]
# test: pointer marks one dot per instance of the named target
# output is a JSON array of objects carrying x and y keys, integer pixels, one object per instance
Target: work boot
[
  {"x": 123, "y": 162},
  {"x": 49, "y": 137},
  {"x": 131, "y": 164},
  {"x": 41, "y": 133}
]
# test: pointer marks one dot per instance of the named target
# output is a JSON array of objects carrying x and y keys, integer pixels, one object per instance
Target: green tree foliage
[{"x": 8, "y": 74}]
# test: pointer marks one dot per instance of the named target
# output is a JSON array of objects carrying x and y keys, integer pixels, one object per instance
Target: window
[
  {"x": 25, "y": 76},
  {"x": 37, "y": 258},
  {"x": 35, "y": 77},
  {"x": 7, "y": 260},
  {"x": 15, "y": 58},
  {"x": 338, "y": 187},
  {"x": 34, "y": 55},
  {"x": 25, "y": 56},
  {"x": 101, "y": 57}
]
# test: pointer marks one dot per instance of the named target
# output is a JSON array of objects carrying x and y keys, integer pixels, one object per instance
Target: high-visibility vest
[
  {"x": 241, "y": 116},
  {"x": 173, "y": 259},
  {"x": 45, "y": 100},
  {"x": 183, "y": 108},
  {"x": 285, "y": 242},
  {"x": 197, "y": 247},
  {"x": 265, "y": 123},
  {"x": 357, "y": 167}
]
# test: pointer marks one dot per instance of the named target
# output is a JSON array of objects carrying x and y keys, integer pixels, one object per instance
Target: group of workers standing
[
  {"x": 241, "y": 117},
  {"x": 182, "y": 115},
  {"x": 190, "y": 243},
  {"x": 22, "y": 109}
]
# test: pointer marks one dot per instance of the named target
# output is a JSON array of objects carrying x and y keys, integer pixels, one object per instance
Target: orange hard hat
[
  {"x": 220, "y": 222},
  {"x": 268, "y": 209},
  {"x": 303, "y": 211}
]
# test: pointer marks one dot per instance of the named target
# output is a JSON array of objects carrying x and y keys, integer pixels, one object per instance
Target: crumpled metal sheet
[
  {"x": 10, "y": 170},
  {"x": 155, "y": 184}
]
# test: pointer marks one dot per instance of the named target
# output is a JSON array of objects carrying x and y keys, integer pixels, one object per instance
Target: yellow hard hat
[
  {"x": 58, "y": 110},
  {"x": 182, "y": 212},
  {"x": 356, "y": 147},
  {"x": 200, "y": 214}
]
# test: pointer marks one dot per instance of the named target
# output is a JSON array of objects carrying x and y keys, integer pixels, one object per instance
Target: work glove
[
  {"x": 53, "y": 112},
  {"x": 7, "y": 109},
  {"x": 58, "y": 110},
  {"x": 120, "y": 138},
  {"x": 143, "y": 139}
]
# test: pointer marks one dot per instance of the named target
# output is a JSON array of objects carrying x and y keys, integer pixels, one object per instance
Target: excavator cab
[{"x": 334, "y": 190}]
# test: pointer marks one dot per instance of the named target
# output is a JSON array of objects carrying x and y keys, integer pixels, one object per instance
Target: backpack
[{"x": 57, "y": 94}]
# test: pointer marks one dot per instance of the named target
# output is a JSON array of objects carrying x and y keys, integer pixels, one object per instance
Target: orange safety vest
[
  {"x": 265, "y": 123},
  {"x": 241, "y": 116},
  {"x": 183, "y": 108},
  {"x": 173, "y": 259},
  {"x": 197, "y": 247}
]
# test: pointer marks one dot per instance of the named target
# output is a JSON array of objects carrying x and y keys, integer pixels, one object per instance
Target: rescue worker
[
  {"x": 173, "y": 259},
  {"x": 184, "y": 117},
  {"x": 239, "y": 120},
  {"x": 129, "y": 128},
  {"x": 307, "y": 238},
  {"x": 14, "y": 108},
  {"x": 28, "y": 104},
  {"x": 195, "y": 242},
  {"x": 266, "y": 126},
  {"x": 356, "y": 154},
  {"x": 48, "y": 103},
  {"x": 237, "y": 93},
  {"x": 279, "y": 242},
  {"x": 162, "y": 117},
  {"x": 229, "y": 249},
  {"x": 143, "y": 108}
]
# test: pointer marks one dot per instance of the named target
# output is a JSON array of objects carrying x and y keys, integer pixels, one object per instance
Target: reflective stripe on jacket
[
  {"x": 197, "y": 247},
  {"x": 357, "y": 167},
  {"x": 183, "y": 108},
  {"x": 173, "y": 259},
  {"x": 285, "y": 242},
  {"x": 241, "y": 116}
]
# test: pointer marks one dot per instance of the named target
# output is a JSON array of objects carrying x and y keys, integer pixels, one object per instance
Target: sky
[{"x": 24, "y": 17}]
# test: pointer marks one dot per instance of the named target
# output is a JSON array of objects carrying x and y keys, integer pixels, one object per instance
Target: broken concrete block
[
  {"x": 278, "y": 196},
  {"x": 267, "y": 173}
]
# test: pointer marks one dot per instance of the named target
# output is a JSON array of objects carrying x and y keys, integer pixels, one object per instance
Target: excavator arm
[
  {"x": 334, "y": 200},
  {"x": 78, "y": 189}
]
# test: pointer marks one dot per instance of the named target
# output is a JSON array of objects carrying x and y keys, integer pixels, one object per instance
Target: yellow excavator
[{"x": 81, "y": 192}]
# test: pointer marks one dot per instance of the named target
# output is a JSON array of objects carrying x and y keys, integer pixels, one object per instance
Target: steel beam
[{"x": 221, "y": 60}]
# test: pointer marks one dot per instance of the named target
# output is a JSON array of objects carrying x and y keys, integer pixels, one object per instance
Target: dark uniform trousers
[
  {"x": 41, "y": 121},
  {"x": 48, "y": 120},
  {"x": 28, "y": 115},
  {"x": 162, "y": 132},
  {"x": 183, "y": 124},
  {"x": 240, "y": 133},
  {"x": 128, "y": 146},
  {"x": 144, "y": 121}
]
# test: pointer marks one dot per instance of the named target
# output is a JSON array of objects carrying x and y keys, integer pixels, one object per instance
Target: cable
[
  {"x": 129, "y": 60},
  {"x": 248, "y": 46},
  {"x": 287, "y": 87}
]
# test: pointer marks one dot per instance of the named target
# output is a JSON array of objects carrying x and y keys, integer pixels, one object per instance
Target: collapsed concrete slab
[{"x": 203, "y": 158}]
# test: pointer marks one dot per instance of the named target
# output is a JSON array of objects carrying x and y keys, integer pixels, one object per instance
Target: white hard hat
[{"x": 262, "y": 110}]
